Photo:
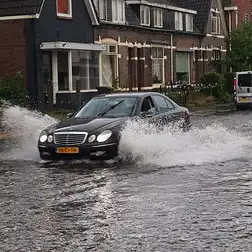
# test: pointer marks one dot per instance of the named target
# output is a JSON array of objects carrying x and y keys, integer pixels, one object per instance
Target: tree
[{"x": 240, "y": 55}]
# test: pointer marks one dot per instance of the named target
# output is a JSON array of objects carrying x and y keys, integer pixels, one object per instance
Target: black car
[{"x": 94, "y": 130}]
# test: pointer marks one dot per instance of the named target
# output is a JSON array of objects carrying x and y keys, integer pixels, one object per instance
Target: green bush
[
  {"x": 213, "y": 84},
  {"x": 12, "y": 89},
  {"x": 228, "y": 84}
]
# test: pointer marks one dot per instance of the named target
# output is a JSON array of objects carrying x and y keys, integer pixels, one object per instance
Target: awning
[{"x": 71, "y": 46}]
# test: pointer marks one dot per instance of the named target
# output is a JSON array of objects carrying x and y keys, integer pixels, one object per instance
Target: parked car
[
  {"x": 94, "y": 130},
  {"x": 243, "y": 90}
]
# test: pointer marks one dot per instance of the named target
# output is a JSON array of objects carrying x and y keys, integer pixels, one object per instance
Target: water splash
[
  {"x": 24, "y": 127},
  {"x": 172, "y": 147},
  {"x": 140, "y": 141}
]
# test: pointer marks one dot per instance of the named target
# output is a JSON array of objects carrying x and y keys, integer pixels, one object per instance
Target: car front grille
[{"x": 70, "y": 138}]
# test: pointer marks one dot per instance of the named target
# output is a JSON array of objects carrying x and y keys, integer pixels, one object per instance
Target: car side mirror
[{"x": 69, "y": 115}]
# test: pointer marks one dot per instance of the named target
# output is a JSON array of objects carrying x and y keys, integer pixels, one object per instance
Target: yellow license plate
[
  {"x": 243, "y": 99},
  {"x": 68, "y": 150}
]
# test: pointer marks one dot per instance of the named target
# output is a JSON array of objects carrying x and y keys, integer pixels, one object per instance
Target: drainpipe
[
  {"x": 230, "y": 30},
  {"x": 171, "y": 57},
  {"x": 229, "y": 22},
  {"x": 236, "y": 18}
]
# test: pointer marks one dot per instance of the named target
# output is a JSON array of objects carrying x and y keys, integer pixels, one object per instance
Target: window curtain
[
  {"x": 63, "y": 6},
  {"x": 157, "y": 71},
  {"x": 107, "y": 70},
  {"x": 182, "y": 66}
]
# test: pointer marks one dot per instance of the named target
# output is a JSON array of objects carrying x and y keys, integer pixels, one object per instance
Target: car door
[{"x": 167, "y": 111}]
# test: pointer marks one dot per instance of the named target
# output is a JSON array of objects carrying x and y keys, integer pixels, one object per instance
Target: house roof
[
  {"x": 19, "y": 7},
  {"x": 202, "y": 7},
  {"x": 162, "y": 3}
]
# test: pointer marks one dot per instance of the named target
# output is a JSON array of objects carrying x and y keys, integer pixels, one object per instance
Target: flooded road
[{"x": 180, "y": 192}]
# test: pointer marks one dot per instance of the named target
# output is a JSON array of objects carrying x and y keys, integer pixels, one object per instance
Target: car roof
[{"x": 128, "y": 94}]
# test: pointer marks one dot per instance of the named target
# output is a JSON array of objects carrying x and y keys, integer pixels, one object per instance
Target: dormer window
[
  {"x": 189, "y": 22},
  {"x": 64, "y": 8},
  {"x": 215, "y": 23},
  {"x": 178, "y": 21},
  {"x": 101, "y": 7},
  {"x": 118, "y": 11},
  {"x": 158, "y": 17},
  {"x": 145, "y": 15}
]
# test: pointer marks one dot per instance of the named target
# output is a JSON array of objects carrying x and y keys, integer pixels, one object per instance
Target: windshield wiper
[{"x": 110, "y": 108}]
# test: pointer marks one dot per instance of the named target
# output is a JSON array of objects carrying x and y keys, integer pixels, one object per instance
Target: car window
[
  {"x": 169, "y": 104},
  {"x": 148, "y": 105},
  {"x": 96, "y": 106},
  {"x": 163, "y": 104}
]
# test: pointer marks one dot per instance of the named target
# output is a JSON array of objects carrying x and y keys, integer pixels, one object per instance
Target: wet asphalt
[{"x": 87, "y": 206}]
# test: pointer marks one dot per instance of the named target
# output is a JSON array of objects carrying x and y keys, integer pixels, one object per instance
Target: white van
[{"x": 243, "y": 89}]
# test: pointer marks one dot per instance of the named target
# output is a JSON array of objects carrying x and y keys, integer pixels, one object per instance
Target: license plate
[
  {"x": 243, "y": 99},
  {"x": 67, "y": 150}
]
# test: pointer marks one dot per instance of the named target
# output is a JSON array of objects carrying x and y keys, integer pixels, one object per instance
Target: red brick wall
[
  {"x": 12, "y": 47},
  {"x": 145, "y": 36},
  {"x": 244, "y": 6}
]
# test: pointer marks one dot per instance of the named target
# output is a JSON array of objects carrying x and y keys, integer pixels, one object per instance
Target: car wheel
[
  {"x": 240, "y": 107},
  {"x": 46, "y": 157}
]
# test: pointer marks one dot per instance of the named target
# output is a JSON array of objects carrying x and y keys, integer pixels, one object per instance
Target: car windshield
[{"x": 108, "y": 107}]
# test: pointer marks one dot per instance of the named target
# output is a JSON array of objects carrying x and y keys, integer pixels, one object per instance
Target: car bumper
[{"x": 101, "y": 151}]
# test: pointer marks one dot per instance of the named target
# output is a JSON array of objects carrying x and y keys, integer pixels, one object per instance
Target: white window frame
[
  {"x": 118, "y": 6},
  {"x": 145, "y": 20},
  {"x": 63, "y": 15},
  {"x": 178, "y": 21},
  {"x": 158, "y": 17},
  {"x": 163, "y": 65},
  {"x": 101, "y": 7},
  {"x": 70, "y": 76},
  {"x": 189, "y": 22},
  {"x": 216, "y": 20}
]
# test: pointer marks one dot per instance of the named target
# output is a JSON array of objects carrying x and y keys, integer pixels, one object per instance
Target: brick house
[
  {"x": 51, "y": 42},
  {"x": 138, "y": 44},
  {"x": 155, "y": 42}
]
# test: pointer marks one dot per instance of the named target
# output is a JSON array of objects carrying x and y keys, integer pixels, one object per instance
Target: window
[
  {"x": 158, "y": 17},
  {"x": 215, "y": 22},
  {"x": 109, "y": 66},
  {"x": 118, "y": 11},
  {"x": 80, "y": 69},
  {"x": 145, "y": 15},
  {"x": 77, "y": 66},
  {"x": 182, "y": 67},
  {"x": 101, "y": 7},
  {"x": 125, "y": 107},
  {"x": 163, "y": 104},
  {"x": 178, "y": 21},
  {"x": 189, "y": 22},
  {"x": 148, "y": 105},
  {"x": 63, "y": 72},
  {"x": 157, "y": 65},
  {"x": 64, "y": 8}
]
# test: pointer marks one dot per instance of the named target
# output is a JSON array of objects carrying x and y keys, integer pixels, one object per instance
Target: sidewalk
[{"x": 212, "y": 109}]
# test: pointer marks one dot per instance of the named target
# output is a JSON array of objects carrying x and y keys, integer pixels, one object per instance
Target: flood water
[{"x": 178, "y": 192}]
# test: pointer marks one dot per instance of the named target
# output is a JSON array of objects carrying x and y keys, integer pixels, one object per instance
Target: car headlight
[
  {"x": 43, "y": 137},
  {"x": 50, "y": 139},
  {"x": 104, "y": 136},
  {"x": 91, "y": 138}
]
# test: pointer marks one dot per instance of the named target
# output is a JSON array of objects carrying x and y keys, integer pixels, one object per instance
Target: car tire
[
  {"x": 46, "y": 157},
  {"x": 240, "y": 107}
]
